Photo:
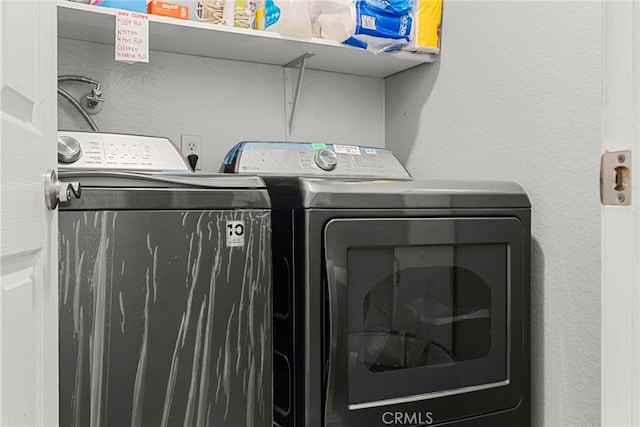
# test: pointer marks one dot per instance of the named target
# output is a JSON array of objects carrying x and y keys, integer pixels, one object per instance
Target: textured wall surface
[
  {"x": 223, "y": 101},
  {"x": 518, "y": 96}
]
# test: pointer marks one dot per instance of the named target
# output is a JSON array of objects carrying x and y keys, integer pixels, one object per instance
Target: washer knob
[
  {"x": 326, "y": 159},
  {"x": 69, "y": 149}
]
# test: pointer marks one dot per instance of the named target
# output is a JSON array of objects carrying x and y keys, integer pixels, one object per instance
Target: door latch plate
[{"x": 615, "y": 178}]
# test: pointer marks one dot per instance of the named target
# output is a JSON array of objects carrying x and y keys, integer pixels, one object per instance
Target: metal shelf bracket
[{"x": 290, "y": 103}]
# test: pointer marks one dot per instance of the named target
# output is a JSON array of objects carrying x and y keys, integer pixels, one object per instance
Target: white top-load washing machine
[
  {"x": 396, "y": 301},
  {"x": 165, "y": 288}
]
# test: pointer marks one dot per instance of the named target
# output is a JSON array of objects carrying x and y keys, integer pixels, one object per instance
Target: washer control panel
[
  {"x": 111, "y": 151},
  {"x": 312, "y": 159}
]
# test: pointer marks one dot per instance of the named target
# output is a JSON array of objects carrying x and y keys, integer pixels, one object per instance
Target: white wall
[
  {"x": 223, "y": 101},
  {"x": 518, "y": 96}
]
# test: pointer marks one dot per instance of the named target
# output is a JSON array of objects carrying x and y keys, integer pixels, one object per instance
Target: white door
[
  {"x": 621, "y": 224},
  {"x": 28, "y": 231}
]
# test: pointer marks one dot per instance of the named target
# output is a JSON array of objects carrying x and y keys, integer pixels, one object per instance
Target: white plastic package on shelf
[
  {"x": 375, "y": 25},
  {"x": 288, "y": 17}
]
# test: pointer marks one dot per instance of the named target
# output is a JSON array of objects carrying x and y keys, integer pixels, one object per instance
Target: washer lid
[
  {"x": 389, "y": 194},
  {"x": 114, "y": 179},
  {"x": 144, "y": 191}
]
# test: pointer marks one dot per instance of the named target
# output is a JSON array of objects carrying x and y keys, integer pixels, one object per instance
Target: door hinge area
[{"x": 615, "y": 178}]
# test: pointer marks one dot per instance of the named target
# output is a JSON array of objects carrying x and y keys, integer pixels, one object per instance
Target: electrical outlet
[{"x": 192, "y": 144}]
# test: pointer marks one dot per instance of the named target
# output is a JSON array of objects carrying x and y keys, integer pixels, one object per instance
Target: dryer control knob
[
  {"x": 326, "y": 159},
  {"x": 69, "y": 149}
]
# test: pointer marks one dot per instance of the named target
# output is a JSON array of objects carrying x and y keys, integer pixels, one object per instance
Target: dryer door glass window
[
  {"x": 422, "y": 308},
  {"x": 426, "y": 319}
]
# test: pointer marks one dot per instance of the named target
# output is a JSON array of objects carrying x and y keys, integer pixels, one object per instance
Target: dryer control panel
[
  {"x": 312, "y": 159},
  {"x": 120, "y": 152}
]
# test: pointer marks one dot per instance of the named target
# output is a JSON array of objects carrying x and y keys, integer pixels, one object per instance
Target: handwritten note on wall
[{"x": 132, "y": 37}]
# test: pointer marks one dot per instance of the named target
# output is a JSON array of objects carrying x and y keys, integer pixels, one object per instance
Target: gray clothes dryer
[
  {"x": 165, "y": 295},
  {"x": 396, "y": 301}
]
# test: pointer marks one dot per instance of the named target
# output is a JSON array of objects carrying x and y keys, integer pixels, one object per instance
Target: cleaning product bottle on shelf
[
  {"x": 425, "y": 34},
  {"x": 258, "y": 22}
]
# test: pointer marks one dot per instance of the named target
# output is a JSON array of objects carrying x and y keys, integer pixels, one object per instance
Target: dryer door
[{"x": 426, "y": 318}]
